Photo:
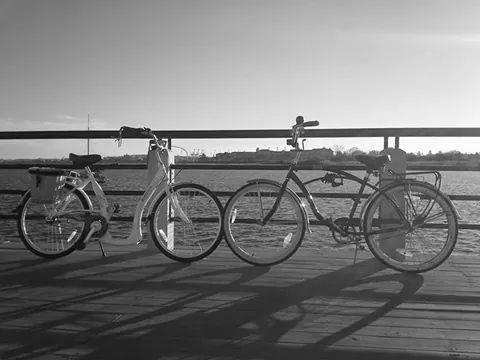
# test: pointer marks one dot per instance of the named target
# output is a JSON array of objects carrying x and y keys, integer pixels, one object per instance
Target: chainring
[
  {"x": 103, "y": 222},
  {"x": 345, "y": 224}
]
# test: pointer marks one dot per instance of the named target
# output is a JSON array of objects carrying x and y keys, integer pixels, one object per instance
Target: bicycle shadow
[
  {"x": 52, "y": 276},
  {"x": 211, "y": 333},
  {"x": 259, "y": 310},
  {"x": 37, "y": 273},
  {"x": 247, "y": 327}
]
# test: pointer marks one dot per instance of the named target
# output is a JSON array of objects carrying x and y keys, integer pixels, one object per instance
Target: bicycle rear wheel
[
  {"x": 260, "y": 244},
  {"x": 192, "y": 218},
  {"x": 411, "y": 226},
  {"x": 54, "y": 236}
]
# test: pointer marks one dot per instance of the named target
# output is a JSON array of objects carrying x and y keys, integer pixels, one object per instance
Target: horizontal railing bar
[
  {"x": 347, "y": 167},
  {"x": 314, "y": 194},
  {"x": 110, "y": 166},
  {"x": 312, "y": 222},
  {"x": 12, "y": 192},
  {"x": 249, "y": 166},
  {"x": 230, "y": 193},
  {"x": 217, "y": 193},
  {"x": 241, "y": 134}
]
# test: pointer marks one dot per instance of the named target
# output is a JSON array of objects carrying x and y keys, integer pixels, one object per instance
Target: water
[{"x": 466, "y": 183}]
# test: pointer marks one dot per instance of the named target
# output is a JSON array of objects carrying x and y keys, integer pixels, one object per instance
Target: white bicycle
[{"x": 185, "y": 218}]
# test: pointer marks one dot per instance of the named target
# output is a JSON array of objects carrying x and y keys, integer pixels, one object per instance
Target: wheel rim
[
  {"x": 263, "y": 244},
  {"x": 187, "y": 241},
  {"x": 51, "y": 236},
  {"x": 410, "y": 244}
]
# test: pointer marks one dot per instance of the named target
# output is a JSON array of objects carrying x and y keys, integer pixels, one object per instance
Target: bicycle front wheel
[
  {"x": 411, "y": 226},
  {"x": 258, "y": 243},
  {"x": 187, "y": 225},
  {"x": 52, "y": 234}
]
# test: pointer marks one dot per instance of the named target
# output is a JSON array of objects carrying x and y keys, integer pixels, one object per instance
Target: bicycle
[
  {"x": 67, "y": 220},
  {"x": 409, "y": 225}
]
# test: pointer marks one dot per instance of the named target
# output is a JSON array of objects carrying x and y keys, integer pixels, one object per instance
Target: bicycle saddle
[
  {"x": 373, "y": 162},
  {"x": 80, "y": 161}
]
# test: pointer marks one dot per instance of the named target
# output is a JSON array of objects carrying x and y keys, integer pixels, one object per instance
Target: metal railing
[{"x": 171, "y": 135}]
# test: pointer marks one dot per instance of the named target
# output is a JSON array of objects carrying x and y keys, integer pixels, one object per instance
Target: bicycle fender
[
  {"x": 267, "y": 181},
  {"x": 364, "y": 207},
  {"x": 405, "y": 181},
  {"x": 410, "y": 181},
  {"x": 23, "y": 200},
  {"x": 84, "y": 194},
  {"x": 292, "y": 193}
]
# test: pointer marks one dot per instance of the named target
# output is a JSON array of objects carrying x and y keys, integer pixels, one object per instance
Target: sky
[{"x": 243, "y": 64}]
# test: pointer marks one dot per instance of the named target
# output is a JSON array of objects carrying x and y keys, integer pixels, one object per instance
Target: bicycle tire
[
  {"x": 267, "y": 244},
  {"x": 416, "y": 239},
  {"x": 190, "y": 242},
  {"x": 53, "y": 238}
]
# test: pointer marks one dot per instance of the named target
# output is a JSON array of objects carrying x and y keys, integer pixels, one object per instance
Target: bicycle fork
[{"x": 178, "y": 211}]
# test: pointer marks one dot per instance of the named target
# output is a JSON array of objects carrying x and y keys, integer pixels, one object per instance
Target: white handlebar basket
[{"x": 45, "y": 183}]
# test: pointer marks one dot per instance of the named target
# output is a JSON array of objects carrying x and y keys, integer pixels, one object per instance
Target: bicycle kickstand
[
  {"x": 101, "y": 248},
  {"x": 357, "y": 247},
  {"x": 356, "y": 252},
  {"x": 94, "y": 227}
]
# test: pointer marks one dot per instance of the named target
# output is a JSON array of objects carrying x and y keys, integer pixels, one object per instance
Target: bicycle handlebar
[
  {"x": 127, "y": 131},
  {"x": 131, "y": 131},
  {"x": 297, "y": 130},
  {"x": 310, "y": 123}
]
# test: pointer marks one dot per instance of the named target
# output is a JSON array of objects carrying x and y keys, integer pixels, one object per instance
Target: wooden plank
[{"x": 318, "y": 302}]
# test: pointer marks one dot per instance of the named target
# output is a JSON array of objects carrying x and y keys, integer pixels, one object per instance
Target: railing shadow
[
  {"x": 210, "y": 332},
  {"x": 259, "y": 310},
  {"x": 208, "y": 311}
]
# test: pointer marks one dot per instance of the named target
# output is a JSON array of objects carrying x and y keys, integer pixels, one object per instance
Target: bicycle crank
[
  {"x": 98, "y": 226},
  {"x": 346, "y": 225}
]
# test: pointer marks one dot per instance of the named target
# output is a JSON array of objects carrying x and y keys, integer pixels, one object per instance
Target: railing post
[
  {"x": 399, "y": 165},
  {"x": 152, "y": 168}
]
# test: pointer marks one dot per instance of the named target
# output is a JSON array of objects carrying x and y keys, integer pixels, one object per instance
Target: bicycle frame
[
  {"x": 364, "y": 183},
  {"x": 151, "y": 194},
  {"x": 302, "y": 186},
  {"x": 395, "y": 207}
]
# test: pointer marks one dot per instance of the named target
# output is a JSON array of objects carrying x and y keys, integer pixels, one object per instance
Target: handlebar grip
[
  {"x": 131, "y": 131},
  {"x": 299, "y": 120},
  {"x": 310, "y": 123}
]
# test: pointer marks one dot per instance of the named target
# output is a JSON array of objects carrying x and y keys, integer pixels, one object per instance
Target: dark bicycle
[{"x": 409, "y": 225}]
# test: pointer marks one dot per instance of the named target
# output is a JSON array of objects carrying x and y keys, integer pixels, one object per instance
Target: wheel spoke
[
  {"x": 194, "y": 223},
  {"x": 252, "y": 240},
  {"x": 426, "y": 243},
  {"x": 52, "y": 237}
]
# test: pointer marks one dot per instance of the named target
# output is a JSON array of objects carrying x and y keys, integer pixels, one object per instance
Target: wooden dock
[{"x": 137, "y": 304}]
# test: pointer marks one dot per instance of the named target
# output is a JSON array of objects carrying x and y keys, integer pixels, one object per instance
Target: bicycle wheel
[
  {"x": 410, "y": 226},
  {"x": 192, "y": 216},
  {"x": 267, "y": 244},
  {"x": 53, "y": 237}
]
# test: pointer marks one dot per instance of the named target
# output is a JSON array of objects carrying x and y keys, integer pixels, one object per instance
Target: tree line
[{"x": 340, "y": 154}]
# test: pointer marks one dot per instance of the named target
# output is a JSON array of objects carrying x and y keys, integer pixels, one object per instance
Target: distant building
[{"x": 268, "y": 156}]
